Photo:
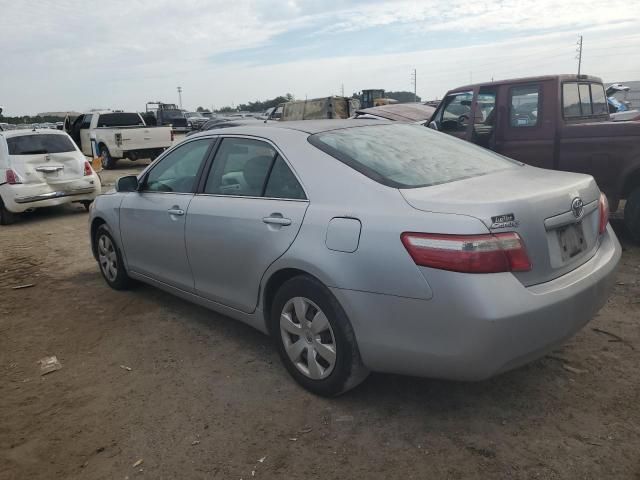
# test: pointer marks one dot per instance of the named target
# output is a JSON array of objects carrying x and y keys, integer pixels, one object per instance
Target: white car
[{"x": 42, "y": 168}]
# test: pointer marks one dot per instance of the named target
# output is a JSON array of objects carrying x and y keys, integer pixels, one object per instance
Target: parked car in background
[
  {"x": 559, "y": 122},
  {"x": 620, "y": 111},
  {"x": 42, "y": 168},
  {"x": 319, "y": 108},
  {"x": 398, "y": 112},
  {"x": 118, "y": 135},
  {"x": 225, "y": 122},
  {"x": 195, "y": 120},
  {"x": 366, "y": 246}
]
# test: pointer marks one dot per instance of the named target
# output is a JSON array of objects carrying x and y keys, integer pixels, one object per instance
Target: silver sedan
[{"x": 365, "y": 246}]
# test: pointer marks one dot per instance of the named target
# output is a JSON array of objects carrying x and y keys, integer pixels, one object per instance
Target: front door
[
  {"x": 152, "y": 221},
  {"x": 247, "y": 215},
  {"x": 85, "y": 140},
  {"x": 454, "y": 115}
]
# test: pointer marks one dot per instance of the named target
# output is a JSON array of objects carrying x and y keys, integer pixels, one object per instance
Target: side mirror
[
  {"x": 127, "y": 184},
  {"x": 433, "y": 125}
]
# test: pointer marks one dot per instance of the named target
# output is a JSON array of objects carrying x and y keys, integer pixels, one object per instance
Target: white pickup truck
[{"x": 118, "y": 135}]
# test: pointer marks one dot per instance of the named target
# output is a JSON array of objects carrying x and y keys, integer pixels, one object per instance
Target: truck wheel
[
  {"x": 632, "y": 214},
  {"x": 6, "y": 217},
  {"x": 108, "y": 162}
]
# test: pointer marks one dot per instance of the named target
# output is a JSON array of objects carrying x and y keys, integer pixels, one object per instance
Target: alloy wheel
[
  {"x": 108, "y": 258},
  {"x": 308, "y": 338}
]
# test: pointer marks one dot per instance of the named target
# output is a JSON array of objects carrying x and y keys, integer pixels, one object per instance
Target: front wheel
[
  {"x": 314, "y": 338},
  {"x": 110, "y": 260},
  {"x": 6, "y": 217},
  {"x": 108, "y": 162},
  {"x": 632, "y": 214}
]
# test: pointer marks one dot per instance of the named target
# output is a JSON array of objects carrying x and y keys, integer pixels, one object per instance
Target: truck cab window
[
  {"x": 583, "y": 99},
  {"x": 86, "y": 122},
  {"x": 524, "y": 106},
  {"x": 456, "y": 114}
]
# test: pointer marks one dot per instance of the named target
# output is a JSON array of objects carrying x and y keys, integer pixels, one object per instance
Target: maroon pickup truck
[{"x": 559, "y": 122}]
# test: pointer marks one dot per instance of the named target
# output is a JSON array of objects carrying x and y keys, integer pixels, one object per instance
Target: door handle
[
  {"x": 277, "y": 219},
  {"x": 175, "y": 211}
]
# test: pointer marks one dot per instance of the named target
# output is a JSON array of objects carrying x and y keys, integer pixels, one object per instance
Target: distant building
[{"x": 58, "y": 114}]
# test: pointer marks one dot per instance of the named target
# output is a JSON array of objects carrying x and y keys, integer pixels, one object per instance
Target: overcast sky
[{"x": 81, "y": 54}]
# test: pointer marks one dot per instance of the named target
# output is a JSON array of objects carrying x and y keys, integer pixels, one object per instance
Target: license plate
[{"x": 572, "y": 242}]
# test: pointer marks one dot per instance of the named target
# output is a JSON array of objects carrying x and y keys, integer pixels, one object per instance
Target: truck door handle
[
  {"x": 277, "y": 219},
  {"x": 175, "y": 211}
]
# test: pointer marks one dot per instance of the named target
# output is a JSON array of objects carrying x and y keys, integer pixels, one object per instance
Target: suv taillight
[
  {"x": 604, "y": 213},
  {"x": 490, "y": 253},
  {"x": 12, "y": 178},
  {"x": 87, "y": 169}
]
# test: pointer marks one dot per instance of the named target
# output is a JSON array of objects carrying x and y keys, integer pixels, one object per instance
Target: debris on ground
[
  {"x": 616, "y": 338},
  {"x": 26, "y": 285},
  {"x": 262, "y": 459},
  {"x": 138, "y": 463},
  {"x": 49, "y": 364},
  {"x": 575, "y": 370},
  {"x": 305, "y": 430},
  {"x": 124, "y": 367},
  {"x": 195, "y": 442}
]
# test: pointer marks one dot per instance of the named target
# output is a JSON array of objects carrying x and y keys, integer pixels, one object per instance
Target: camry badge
[
  {"x": 507, "y": 220},
  {"x": 577, "y": 207}
]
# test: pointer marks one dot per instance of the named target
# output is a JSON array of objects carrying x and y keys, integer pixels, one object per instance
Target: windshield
[
  {"x": 35, "y": 144},
  {"x": 408, "y": 156},
  {"x": 119, "y": 120}
]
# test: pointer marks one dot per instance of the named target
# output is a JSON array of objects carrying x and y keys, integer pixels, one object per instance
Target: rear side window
[
  {"x": 583, "y": 99},
  {"x": 525, "y": 105},
  {"x": 119, "y": 120},
  {"x": 283, "y": 183},
  {"x": 408, "y": 156},
  {"x": 35, "y": 144}
]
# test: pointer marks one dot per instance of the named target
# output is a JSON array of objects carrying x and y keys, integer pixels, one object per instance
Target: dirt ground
[{"x": 206, "y": 397}]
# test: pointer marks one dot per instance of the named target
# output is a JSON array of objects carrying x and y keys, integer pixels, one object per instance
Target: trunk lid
[{"x": 537, "y": 204}]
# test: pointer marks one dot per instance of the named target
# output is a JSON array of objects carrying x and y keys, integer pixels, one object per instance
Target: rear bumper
[
  {"x": 477, "y": 326},
  {"x": 19, "y": 198}
]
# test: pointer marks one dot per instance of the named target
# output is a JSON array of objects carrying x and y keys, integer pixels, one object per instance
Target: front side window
[
  {"x": 38, "y": 144},
  {"x": 583, "y": 99},
  {"x": 178, "y": 170},
  {"x": 241, "y": 167},
  {"x": 524, "y": 106},
  {"x": 456, "y": 112},
  {"x": 407, "y": 156}
]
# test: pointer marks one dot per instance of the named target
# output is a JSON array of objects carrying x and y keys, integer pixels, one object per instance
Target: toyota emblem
[{"x": 577, "y": 207}]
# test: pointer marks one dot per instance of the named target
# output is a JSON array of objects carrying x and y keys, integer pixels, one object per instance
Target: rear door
[
  {"x": 152, "y": 221},
  {"x": 246, "y": 215},
  {"x": 50, "y": 158},
  {"x": 526, "y": 123}
]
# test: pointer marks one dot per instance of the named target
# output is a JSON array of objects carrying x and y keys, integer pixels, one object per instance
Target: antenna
[
  {"x": 579, "y": 54},
  {"x": 342, "y": 89},
  {"x": 180, "y": 96},
  {"x": 414, "y": 80}
]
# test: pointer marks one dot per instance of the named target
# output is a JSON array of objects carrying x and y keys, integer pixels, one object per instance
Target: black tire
[
  {"x": 6, "y": 217},
  {"x": 108, "y": 162},
  {"x": 87, "y": 204},
  {"x": 348, "y": 370},
  {"x": 120, "y": 280},
  {"x": 632, "y": 214}
]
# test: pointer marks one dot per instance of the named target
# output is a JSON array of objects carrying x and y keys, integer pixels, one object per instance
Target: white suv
[{"x": 42, "y": 168}]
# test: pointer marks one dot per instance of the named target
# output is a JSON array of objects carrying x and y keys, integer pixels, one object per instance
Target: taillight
[
  {"x": 11, "y": 177},
  {"x": 604, "y": 213},
  {"x": 490, "y": 253},
  {"x": 87, "y": 169}
]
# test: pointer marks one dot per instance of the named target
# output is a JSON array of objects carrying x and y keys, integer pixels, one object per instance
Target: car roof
[
  {"x": 31, "y": 131},
  {"x": 562, "y": 78},
  {"x": 306, "y": 126}
]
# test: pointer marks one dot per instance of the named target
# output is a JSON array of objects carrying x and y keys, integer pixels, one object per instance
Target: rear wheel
[
  {"x": 6, "y": 217},
  {"x": 314, "y": 338},
  {"x": 110, "y": 260},
  {"x": 108, "y": 162},
  {"x": 632, "y": 214}
]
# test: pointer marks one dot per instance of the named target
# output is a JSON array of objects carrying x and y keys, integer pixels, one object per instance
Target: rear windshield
[
  {"x": 119, "y": 120},
  {"x": 34, "y": 144},
  {"x": 408, "y": 156}
]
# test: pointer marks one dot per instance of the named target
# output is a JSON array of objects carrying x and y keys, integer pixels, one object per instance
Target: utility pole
[
  {"x": 180, "y": 96},
  {"x": 579, "y": 55},
  {"x": 342, "y": 89},
  {"x": 414, "y": 80}
]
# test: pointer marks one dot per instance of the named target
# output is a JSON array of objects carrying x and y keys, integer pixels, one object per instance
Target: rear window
[
  {"x": 119, "y": 120},
  {"x": 35, "y": 144},
  {"x": 583, "y": 99},
  {"x": 408, "y": 156}
]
